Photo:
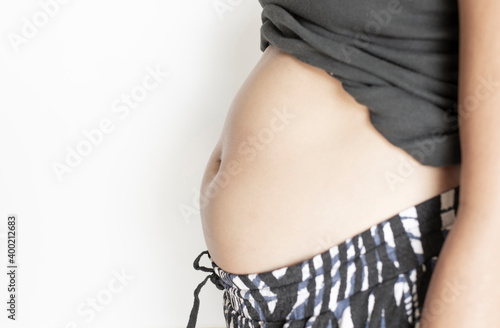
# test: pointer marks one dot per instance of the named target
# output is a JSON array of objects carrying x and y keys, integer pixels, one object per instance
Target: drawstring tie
[{"x": 215, "y": 280}]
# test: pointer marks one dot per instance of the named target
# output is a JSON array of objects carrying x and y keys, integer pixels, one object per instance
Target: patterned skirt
[{"x": 378, "y": 278}]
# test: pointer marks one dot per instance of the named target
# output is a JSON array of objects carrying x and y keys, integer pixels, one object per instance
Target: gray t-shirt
[{"x": 397, "y": 57}]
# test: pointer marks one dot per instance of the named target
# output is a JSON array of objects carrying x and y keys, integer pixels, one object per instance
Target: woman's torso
[{"x": 300, "y": 168}]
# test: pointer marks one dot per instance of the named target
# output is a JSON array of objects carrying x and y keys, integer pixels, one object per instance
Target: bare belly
[{"x": 300, "y": 168}]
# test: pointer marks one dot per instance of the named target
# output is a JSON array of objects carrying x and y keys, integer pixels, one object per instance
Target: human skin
[
  {"x": 465, "y": 287},
  {"x": 300, "y": 168}
]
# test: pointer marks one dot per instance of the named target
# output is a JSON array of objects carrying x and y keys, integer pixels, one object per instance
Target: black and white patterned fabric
[{"x": 377, "y": 278}]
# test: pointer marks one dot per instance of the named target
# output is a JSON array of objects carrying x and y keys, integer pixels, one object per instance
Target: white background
[{"x": 117, "y": 210}]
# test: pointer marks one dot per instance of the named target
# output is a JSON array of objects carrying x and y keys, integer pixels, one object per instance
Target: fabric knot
[
  {"x": 216, "y": 281},
  {"x": 213, "y": 278}
]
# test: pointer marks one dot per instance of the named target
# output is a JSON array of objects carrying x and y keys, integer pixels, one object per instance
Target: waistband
[{"x": 382, "y": 252}]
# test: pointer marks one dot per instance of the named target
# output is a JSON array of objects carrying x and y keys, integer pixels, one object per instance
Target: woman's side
[{"x": 299, "y": 168}]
